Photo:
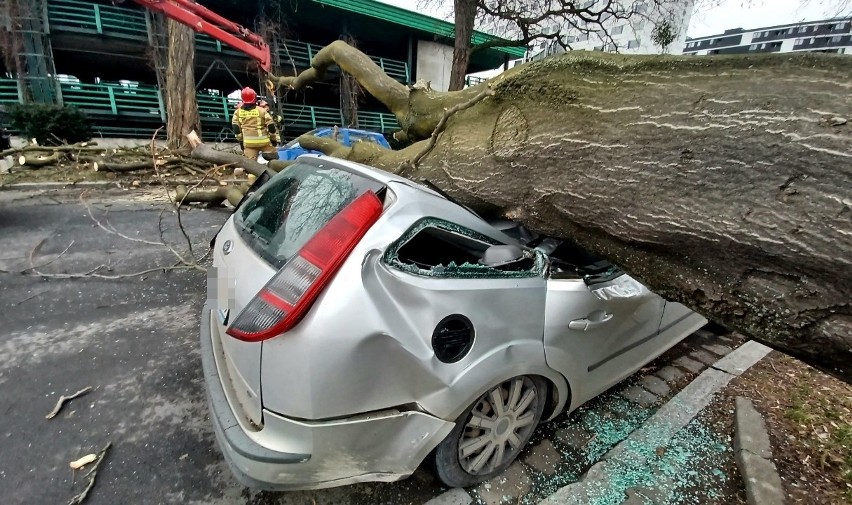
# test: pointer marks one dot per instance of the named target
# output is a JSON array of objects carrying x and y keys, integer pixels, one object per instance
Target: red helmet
[{"x": 248, "y": 95}]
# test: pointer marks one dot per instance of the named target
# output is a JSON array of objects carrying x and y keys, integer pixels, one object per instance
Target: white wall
[{"x": 434, "y": 64}]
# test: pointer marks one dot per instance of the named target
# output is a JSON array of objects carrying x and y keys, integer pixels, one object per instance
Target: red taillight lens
[{"x": 290, "y": 293}]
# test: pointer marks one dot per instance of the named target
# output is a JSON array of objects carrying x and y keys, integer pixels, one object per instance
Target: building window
[
  {"x": 633, "y": 44},
  {"x": 752, "y": 47},
  {"x": 790, "y": 30},
  {"x": 639, "y": 24},
  {"x": 836, "y": 38},
  {"x": 598, "y": 48},
  {"x": 582, "y": 38},
  {"x": 618, "y": 30},
  {"x": 799, "y": 42}
]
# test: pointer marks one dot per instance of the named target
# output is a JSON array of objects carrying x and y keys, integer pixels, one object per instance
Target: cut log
[
  {"x": 110, "y": 166},
  {"x": 36, "y": 161},
  {"x": 213, "y": 198},
  {"x": 720, "y": 182}
]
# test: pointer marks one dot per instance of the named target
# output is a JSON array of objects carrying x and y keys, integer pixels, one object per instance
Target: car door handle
[{"x": 586, "y": 323}]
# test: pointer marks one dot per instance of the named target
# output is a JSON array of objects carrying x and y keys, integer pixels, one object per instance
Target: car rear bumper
[{"x": 288, "y": 454}]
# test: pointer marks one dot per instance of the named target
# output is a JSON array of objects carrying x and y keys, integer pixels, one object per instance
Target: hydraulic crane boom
[{"x": 202, "y": 19}]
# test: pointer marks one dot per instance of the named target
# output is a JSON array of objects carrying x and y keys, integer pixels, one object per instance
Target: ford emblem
[{"x": 227, "y": 247}]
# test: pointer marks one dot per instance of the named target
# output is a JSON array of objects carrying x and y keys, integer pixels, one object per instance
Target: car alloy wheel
[{"x": 492, "y": 432}]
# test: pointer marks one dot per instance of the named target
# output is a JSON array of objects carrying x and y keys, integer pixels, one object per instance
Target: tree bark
[
  {"x": 465, "y": 15},
  {"x": 207, "y": 153},
  {"x": 720, "y": 182},
  {"x": 181, "y": 106}
]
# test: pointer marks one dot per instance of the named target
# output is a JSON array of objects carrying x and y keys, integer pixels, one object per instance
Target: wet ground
[{"x": 134, "y": 341}]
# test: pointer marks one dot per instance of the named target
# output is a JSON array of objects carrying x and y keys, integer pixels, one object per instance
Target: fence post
[
  {"x": 313, "y": 117},
  {"x": 226, "y": 109},
  {"x": 162, "y": 105},
  {"x": 98, "y": 24},
  {"x": 112, "y": 104}
]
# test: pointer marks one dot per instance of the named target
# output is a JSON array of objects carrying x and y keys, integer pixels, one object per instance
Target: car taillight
[{"x": 290, "y": 293}]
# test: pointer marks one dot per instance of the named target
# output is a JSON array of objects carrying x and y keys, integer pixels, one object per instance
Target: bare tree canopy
[{"x": 723, "y": 183}]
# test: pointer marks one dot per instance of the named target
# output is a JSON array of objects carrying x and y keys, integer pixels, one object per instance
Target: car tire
[{"x": 492, "y": 432}]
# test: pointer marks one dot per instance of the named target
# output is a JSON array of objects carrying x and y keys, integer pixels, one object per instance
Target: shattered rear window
[
  {"x": 437, "y": 248},
  {"x": 294, "y": 205}
]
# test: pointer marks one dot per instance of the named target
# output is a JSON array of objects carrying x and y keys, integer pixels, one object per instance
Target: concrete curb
[
  {"x": 754, "y": 456},
  {"x": 662, "y": 426},
  {"x": 22, "y": 186}
]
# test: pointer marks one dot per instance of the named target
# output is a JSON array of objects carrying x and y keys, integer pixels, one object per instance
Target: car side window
[{"x": 437, "y": 248}]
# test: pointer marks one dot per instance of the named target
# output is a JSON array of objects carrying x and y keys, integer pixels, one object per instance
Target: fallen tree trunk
[{"x": 724, "y": 183}]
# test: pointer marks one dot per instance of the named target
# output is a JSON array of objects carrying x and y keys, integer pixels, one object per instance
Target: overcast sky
[{"x": 730, "y": 14}]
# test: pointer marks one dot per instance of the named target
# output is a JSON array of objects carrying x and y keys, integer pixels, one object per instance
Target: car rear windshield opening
[{"x": 294, "y": 205}]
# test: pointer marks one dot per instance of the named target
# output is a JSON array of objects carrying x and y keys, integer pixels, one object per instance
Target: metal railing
[
  {"x": 377, "y": 121},
  {"x": 143, "y": 102},
  {"x": 394, "y": 68},
  {"x": 140, "y": 101},
  {"x": 92, "y": 18},
  {"x": 9, "y": 92},
  {"x": 473, "y": 80}
]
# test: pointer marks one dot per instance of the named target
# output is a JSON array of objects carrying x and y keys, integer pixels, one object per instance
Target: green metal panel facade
[{"x": 414, "y": 20}]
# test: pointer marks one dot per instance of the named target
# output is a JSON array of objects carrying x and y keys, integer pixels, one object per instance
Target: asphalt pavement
[{"x": 134, "y": 341}]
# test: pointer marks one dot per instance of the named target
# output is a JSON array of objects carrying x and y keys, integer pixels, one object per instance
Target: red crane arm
[{"x": 202, "y": 19}]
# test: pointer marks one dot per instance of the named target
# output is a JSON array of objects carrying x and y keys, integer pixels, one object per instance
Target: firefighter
[{"x": 255, "y": 130}]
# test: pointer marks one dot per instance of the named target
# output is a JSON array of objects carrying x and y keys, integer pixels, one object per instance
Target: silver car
[{"x": 358, "y": 323}]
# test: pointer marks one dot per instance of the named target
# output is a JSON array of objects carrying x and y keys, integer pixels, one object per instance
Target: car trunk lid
[{"x": 275, "y": 234}]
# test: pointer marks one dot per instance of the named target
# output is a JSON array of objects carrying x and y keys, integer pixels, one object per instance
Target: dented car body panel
[{"x": 413, "y": 327}]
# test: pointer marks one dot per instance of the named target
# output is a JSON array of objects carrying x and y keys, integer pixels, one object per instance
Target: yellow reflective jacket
[{"x": 254, "y": 124}]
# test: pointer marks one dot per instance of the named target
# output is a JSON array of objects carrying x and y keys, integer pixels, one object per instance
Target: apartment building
[
  {"x": 630, "y": 36},
  {"x": 826, "y": 36}
]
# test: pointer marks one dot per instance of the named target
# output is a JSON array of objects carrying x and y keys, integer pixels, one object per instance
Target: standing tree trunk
[
  {"x": 465, "y": 15},
  {"x": 720, "y": 182},
  {"x": 12, "y": 43},
  {"x": 181, "y": 105}
]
